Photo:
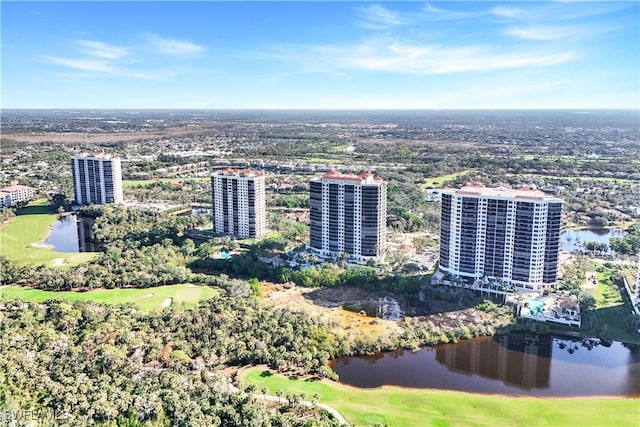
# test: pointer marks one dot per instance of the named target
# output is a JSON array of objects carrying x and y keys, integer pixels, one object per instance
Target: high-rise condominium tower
[
  {"x": 97, "y": 178},
  {"x": 348, "y": 215},
  {"x": 501, "y": 233},
  {"x": 637, "y": 302},
  {"x": 239, "y": 204}
]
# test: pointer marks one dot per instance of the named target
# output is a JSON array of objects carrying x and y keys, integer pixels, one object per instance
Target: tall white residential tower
[
  {"x": 239, "y": 203},
  {"x": 97, "y": 178},
  {"x": 501, "y": 233},
  {"x": 348, "y": 214},
  {"x": 637, "y": 301}
]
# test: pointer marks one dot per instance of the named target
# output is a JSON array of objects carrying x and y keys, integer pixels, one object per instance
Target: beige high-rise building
[
  {"x": 348, "y": 215},
  {"x": 97, "y": 178},
  {"x": 501, "y": 233},
  {"x": 637, "y": 302},
  {"x": 239, "y": 203}
]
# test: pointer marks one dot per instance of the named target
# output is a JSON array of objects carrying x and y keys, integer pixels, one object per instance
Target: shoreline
[{"x": 242, "y": 372}]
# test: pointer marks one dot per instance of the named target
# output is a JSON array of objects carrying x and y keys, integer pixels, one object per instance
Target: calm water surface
[
  {"x": 69, "y": 234},
  {"x": 573, "y": 240},
  {"x": 535, "y": 365}
]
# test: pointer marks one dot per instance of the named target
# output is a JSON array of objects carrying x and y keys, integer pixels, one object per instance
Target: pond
[
  {"x": 514, "y": 364},
  {"x": 71, "y": 234},
  {"x": 201, "y": 211},
  {"x": 573, "y": 240}
]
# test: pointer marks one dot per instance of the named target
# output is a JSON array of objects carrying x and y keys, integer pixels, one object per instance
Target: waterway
[
  {"x": 71, "y": 234},
  {"x": 573, "y": 240},
  {"x": 514, "y": 364}
]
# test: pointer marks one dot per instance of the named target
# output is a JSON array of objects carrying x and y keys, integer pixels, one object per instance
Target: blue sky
[{"x": 349, "y": 55}]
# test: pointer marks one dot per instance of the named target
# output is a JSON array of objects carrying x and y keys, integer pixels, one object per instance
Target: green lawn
[
  {"x": 147, "y": 299},
  {"x": 32, "y": 225},
  {"x": 612, "y": 310},
  {"x": 424, "y": 407},
  {"x": 439, "y": 181}
]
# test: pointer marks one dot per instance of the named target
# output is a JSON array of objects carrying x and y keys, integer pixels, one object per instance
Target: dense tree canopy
[{"x": 115, "y": 364}]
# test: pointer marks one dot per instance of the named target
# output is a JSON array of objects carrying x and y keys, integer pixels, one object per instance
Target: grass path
[
  {"x": 438, "y": 181},
  {"x": 146, "y": 298},
  {"x": 32, "y": 225},
  {"x": 426, "y": 407}
]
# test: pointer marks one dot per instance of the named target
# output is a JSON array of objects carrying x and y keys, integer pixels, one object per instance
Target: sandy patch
[
  {"x": 149, "y": 295},
  {"x": 167, "y": 302},
  {"x": 40, "y": 245},
  {"x": 58, "y": 262},
  {"x": 328, "y": 309},
  {"x": 591, "y": 280}
]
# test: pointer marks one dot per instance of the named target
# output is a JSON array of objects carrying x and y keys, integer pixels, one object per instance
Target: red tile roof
[
  {"x": 18, "y": 187},
  {"x": 363, "y": 177}
]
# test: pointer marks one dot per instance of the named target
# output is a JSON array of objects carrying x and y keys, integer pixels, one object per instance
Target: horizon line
[{"x": 316, "y": 109}]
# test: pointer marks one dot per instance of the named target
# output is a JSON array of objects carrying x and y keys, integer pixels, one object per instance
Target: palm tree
[
  {"x": 279, "y": 393},
  {"x": 251, "y": 389}
]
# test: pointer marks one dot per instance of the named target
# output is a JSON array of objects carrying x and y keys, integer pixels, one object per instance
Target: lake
[
  {"x": 572, "y": 240},
  {"x": 70, "y": 234},
  {"x": 513, "y": 364},
  {"x": 201, "y": 211}
]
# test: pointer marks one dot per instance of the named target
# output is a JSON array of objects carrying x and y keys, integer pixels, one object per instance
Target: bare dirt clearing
[{"x": 326, "y": 304}]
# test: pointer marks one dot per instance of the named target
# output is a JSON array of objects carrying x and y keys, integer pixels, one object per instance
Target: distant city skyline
[{"x": 321, "y": 55}]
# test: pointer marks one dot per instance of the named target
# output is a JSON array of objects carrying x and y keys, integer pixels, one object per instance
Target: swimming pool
[{"x": 535, "y": 306}]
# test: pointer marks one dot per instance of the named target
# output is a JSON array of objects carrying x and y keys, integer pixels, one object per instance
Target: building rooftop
[
  {"x": 238, "y": 172},
  {"x": 503, "y": 191},
  {"x": 99, "y": 156},
  {"x": 364, "y": 178},
  {"x": 15, "y": 187}
]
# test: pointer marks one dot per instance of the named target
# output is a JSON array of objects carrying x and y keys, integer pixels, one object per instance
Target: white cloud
[
  {"x": 429, "y": 8},
  {"x": 389, "y": 55},
  {"x": 104, "y": 67},
  {"x": 378, "y": 17},
  {"x": 437, "y": 14},
  {"x": 506, "y": 11},
  {"x": 103, "y": 50},
  {"x": 544, "y": 32},
  {"x": 79, "y": 64},
  {"x": 103, "y": 59},
  {"x": 173, "y": 46}
]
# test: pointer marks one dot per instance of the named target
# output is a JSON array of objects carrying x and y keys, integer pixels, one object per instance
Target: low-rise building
[
  {"x": 15, "y": 194},
  {"x": 5, "y": 200}
]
